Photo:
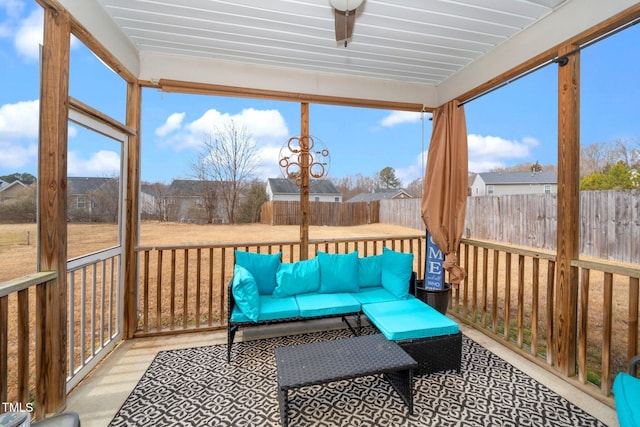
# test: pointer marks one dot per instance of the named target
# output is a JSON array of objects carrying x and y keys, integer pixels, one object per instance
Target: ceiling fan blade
[{"x": 344, "y": 24}]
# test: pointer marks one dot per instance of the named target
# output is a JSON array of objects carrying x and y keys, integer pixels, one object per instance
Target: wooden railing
[
  {"x": 95, "y": 310},
  {"x": 509, "y": 294},
  {"x": 18, "y": 340},
  {"x": 183, "y": 288}
]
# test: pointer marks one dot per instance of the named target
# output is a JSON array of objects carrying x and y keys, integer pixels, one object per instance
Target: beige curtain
[{"x": 444, "y": 199}]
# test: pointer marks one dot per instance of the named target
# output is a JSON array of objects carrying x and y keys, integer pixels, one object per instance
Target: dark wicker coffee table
[{"x": 335, "y": 360}]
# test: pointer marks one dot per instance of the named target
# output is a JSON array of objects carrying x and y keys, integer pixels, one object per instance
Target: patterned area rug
[{"x": 196, "y": 387}]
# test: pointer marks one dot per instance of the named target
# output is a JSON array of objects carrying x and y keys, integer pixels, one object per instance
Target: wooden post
[
  {"x": 304, "y": 181},
  {"x": 568, "y": 210},
  {"x": 51, "y": 298},
  {"x": 134, "y": 108}
]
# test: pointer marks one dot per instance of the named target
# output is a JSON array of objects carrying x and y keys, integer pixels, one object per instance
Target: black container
[{"x": 438, "y": 299}]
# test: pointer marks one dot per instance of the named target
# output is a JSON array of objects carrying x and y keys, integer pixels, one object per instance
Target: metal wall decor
[{"x": 292, "y": 155}]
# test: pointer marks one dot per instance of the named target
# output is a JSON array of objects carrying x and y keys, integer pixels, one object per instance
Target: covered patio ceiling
[{"x": 422, "y": 53}]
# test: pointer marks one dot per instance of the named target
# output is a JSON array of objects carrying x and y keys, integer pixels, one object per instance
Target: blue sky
[{"x": 514, "y": 124}]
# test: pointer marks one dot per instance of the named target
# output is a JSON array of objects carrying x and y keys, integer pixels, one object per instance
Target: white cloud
[
  {"x": 174, "y": 122},
  {"x": 413, "y": 171},
  {"x": 29, "y": 35},
  {"x": 268, "y": 157},
  {"x": 266, "y": 126},
  {"x": 20, "y": 120},
  {"x": 14, "y": 155},
  {"x": 399, "y": 117},
  {"x": 19, "y": 134},
  {"x": 489, "y": 152},
  {"x": 485, "y": 153},
  {"x": 102, "y": 163},
  {"x": 11, "y": 10}
]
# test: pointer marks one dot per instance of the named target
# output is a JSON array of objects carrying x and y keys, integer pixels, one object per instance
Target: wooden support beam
[
  {"x": 51, "y": 298},
  {"x": 134, "y": 114},
  {"x": 304, "y": 181},
  {"x": 568, "y": 210}
]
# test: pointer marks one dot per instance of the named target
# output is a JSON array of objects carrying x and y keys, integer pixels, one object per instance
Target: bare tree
[
  {"x": 415, "y": 187},
  {"x": 596, "y": 157},
  {"x": 229, "y": 156},
  {"x": 351, "y": 186},
  {"x": 251, "y": 206},
  {"x": 106, "y": 200}
]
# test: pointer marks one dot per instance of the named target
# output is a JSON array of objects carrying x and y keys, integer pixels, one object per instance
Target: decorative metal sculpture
[{"x": 292, "y": 158}]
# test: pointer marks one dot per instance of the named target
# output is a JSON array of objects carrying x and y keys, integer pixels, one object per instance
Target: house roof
[
  {"x": 380, "y": 194},
  {"x": 504, "y": 178},
  {"x": 85, "y": 184},
  {"x": 5, "y": 187},
  {"x": 316, "y": 186},
  {"x": 188, "y": 187},
  {"x": 423, "y": 52}
]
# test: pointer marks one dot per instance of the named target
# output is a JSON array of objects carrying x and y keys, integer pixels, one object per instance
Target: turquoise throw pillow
[
  {"x": 298, "y": 278},
  {"x": 370, "y": 271},
  {"x": 338, "y": 272},
  {"x": 396, "y": 272},
  {"x": 245, "y": 292},
  {"x": 263, "y": 267}
]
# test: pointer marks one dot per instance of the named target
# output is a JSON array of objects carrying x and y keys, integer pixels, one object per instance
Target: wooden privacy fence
[
  {"x": 321, "y": 213},
  {"x": 609, "y": 221}
]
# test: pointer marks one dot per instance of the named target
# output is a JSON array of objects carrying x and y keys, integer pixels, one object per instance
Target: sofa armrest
[
  {"x": 633, "y": 365},
  {"x": 412, "y": 284},
  {"x": 231, "y": 301}
]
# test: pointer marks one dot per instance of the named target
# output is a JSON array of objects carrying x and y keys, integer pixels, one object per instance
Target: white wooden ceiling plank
[
  {"x": 372, "y": 46},
  {"x": 248, "y": 49}
]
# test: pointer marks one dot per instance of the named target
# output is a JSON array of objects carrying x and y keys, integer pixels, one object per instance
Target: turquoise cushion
[
  {"x": 396, "y": 272},
  {"x": 374, "y": 294},
  {"x": 245, "y": 292},
  {"x": 626, "y": 393},
  {"x": 312, "y": 305},
  {"x": 408, "y": 319},
  {"x": 297, "y": 278},
  {"x": 338, "y": 272},
  {"x": 263, "y": 267},
  {"x": 370, "y": 271},
  {"x": 270, "y": 309}
]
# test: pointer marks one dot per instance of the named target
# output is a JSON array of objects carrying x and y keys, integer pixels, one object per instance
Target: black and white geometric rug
[{"x": 197, "y": 387}]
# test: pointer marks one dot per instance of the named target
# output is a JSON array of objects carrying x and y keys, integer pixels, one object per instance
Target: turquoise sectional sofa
[{"x": 264, "y": 290}]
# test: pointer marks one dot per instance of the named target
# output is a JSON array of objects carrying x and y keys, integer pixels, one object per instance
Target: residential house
[
  {"x": 93, "y": 199},
  {"x": 381, "y": 194},
  {"x": 285, "y": 189},
  {"x": 503, "y": 183},
  {"x": 10, "y": 190},
  {"x": 151, "y": 200},
  {"x": 199, "y": 201}
]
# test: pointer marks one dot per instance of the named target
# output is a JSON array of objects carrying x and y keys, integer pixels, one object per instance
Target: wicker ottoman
[{"x": 428, "y": 336}]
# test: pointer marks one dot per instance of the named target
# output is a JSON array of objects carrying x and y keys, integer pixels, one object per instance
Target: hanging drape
[{"x": 444, "y": 199}]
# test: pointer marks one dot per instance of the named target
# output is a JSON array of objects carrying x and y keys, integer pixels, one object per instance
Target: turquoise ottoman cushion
[
  {"x": 409, "y": 319},
  {"x": 626, "y": 392},
  {"x": 311, "y": 305},
  {"x": 374, "y": 295}
]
